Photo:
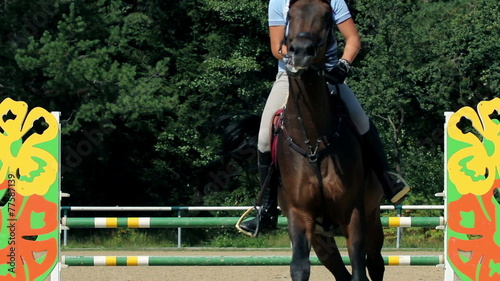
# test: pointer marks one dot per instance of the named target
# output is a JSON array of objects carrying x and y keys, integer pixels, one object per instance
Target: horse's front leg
[
  {"x": 375, "y": 241},
  {"x": 356, "y": 233},
  {"x": 300, "y": 229},
  {"x": 328, "y": 253}
]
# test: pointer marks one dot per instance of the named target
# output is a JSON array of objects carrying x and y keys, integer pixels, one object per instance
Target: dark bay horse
[{"x": 325, "y": 182}]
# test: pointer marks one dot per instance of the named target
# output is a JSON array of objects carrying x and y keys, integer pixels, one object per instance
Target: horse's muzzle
[{"x": 301, "y": 52}]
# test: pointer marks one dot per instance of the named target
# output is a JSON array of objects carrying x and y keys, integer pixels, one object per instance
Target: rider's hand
[{"x": 339, "y": 72}]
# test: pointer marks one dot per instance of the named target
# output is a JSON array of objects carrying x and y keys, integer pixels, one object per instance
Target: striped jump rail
[
  {"x": 424, "y": 260},
  {"x": 217, "y": 222}
]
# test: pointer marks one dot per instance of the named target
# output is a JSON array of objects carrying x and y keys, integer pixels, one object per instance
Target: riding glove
[{"x": 339, "y": 72}]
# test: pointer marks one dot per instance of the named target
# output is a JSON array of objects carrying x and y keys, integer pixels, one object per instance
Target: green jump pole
[
  {"x": 426, "y": 260},
  {"x": 218, "y": 222}
]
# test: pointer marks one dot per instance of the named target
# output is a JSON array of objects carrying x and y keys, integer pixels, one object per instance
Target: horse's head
[{"x": 309, "y": 26}]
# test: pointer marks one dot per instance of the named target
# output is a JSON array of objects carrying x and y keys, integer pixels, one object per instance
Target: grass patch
[
  {"x": 121, "y": 238},
  {"x": 275, "y": 239},
  {"x": 424, "y": 238}
]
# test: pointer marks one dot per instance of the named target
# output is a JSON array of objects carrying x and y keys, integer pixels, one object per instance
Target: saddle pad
[{"x": 275, "y": 134}]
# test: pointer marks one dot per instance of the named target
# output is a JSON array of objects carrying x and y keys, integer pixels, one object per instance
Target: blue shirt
[{"x": 278, "y": 10}]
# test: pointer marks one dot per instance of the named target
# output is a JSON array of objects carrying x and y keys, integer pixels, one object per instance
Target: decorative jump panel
[{"x": 29, "y": 192}]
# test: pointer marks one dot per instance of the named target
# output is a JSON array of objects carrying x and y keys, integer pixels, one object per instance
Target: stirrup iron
[
  {"x": 242, "y": 218},
  {"x": 402, "y": 193}
]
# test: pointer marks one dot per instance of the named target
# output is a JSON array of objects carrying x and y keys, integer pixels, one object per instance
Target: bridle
[
  {"x": 329, "y": 36},
  {"x": 313, "y": 152}
]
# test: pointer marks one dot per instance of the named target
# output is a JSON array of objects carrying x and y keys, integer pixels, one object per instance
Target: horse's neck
[{"x": 308, "y": 99}]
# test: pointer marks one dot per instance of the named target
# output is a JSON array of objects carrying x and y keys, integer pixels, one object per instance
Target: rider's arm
[
  {"x": 276, "y": 34},
  {"x": 352, "y": 40}
]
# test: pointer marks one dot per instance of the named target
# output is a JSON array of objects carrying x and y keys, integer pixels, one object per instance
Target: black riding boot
[
  {"x": 395, "y": 189},
  {"x": 267, "y": 213}
]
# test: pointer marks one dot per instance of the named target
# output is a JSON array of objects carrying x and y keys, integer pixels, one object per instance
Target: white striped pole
[
  {"x": 218, "y": 222},
  {"x": 423, "y": 260}
]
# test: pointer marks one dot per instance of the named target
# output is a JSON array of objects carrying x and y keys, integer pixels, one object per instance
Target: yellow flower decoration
[
  {"x": 474, "y": 168},
  {"x": 34, "y": 168}
]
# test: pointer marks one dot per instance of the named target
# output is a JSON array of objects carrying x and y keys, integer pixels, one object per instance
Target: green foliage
[{"x": 420, "y": 59}]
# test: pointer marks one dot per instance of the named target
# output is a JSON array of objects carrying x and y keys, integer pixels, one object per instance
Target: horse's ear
[
  {"x": 293, "y": 2},
  {"x": 328, "y": 2}
]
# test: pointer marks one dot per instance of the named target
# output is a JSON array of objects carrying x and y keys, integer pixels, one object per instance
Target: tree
[
  {"x": 104, "y": 68},
  {"x": 420, "y": 59}
]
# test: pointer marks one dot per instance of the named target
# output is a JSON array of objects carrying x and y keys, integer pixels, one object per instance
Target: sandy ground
[{"x": 225, "y": 273}]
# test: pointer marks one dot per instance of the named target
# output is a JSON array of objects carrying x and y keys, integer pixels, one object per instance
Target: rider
[{"x": 336, "y": 72}]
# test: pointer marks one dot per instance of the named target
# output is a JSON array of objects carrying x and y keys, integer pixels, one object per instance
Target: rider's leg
[
  {"x": 356, "y": 111},
  {"x": 372, "y": 145},
  {"x": 394, "y": 190},
  {"x": 267, "y": 212},
  {"x": 275, "y": 101}
]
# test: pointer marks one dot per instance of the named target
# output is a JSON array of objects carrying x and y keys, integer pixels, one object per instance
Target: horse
[{"x": 325, "y": 181}]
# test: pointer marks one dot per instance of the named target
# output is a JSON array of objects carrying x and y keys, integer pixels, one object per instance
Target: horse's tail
[
  {"x": 239, "y": 147},
  {"x": 241, "y": 134}
]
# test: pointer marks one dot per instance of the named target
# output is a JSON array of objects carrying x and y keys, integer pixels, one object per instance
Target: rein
[
  {"x": 315, "y": 155},
  {"x": 313, "y": 152}
]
